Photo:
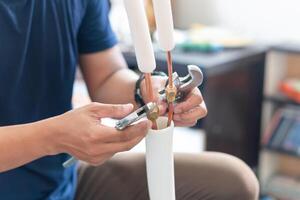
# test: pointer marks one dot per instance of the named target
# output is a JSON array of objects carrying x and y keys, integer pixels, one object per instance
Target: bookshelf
[
  {"x": 283, "y": 61},
  {"x": 279, "y": 99}
]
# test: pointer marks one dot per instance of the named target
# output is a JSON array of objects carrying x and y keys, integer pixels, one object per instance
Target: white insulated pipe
[
  {"x": 164, "y": 24},
  {"x": 160, "y": 161},
  {"x": 140, "y": 35}
]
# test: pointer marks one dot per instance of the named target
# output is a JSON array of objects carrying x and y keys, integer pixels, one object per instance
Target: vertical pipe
[
  {"x": 164, "y": 24},
  {"x": 171, "y": 85},
  {"x": 150, "y": 93},
  {"x": 160, "y": 161},
  {"x": 140, "y": 33},
  {"x": 165, "y": 30}
]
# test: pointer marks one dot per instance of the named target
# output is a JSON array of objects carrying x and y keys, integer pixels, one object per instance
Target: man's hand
[
  {"x": 82, "y": 135},
  {"x": 187, "y": 112}
]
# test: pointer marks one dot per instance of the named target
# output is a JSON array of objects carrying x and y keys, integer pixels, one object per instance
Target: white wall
[{"x": 269, "y": 20}]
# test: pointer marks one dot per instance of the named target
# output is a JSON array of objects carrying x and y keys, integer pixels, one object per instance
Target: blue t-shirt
[{"x": 40, "y": 41}]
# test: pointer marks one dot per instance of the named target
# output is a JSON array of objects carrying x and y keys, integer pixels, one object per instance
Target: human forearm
[
  {"x": 107, "y": 77},
  {"x": 22, "y": 144},
  {"x": 118, "y": 88},
  {"x": 77, "y": 132}
]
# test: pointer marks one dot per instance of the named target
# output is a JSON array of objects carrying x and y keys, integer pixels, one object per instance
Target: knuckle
[
  {"x": 84, "y": 142},
  {"x": 89, "y": 138},
  {"x": 183, "y": 116},
  {"x": 198, "y": 99},
  {"x": 116, "y": 108},
  {"x": 93, "y": 104},
  {"x": 93, "y": 107},
  {"x": 205, "y": 112}
]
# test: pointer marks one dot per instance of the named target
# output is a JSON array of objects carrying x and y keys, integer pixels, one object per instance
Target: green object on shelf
[{"x": 200, "y": 47}]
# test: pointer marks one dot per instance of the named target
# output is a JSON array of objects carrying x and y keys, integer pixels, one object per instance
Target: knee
[{"x": 239, "y": 181}]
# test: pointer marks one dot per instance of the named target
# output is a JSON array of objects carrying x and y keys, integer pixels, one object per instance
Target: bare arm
[
  {"x": 21, "y": 144},
  {"x": 109, "y": 81},
  {"x": 77, "y": 132},
  {"x": 107, "y": 76}
]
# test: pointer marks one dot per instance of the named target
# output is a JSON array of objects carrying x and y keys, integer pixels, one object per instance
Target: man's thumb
[{"x": 115, "y": 111}]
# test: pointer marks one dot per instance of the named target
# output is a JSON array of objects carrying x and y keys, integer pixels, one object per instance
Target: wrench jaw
[
  {"x": 150, "y": 110},
  {"x": 192, "y": 80},
  {"x": 183, "y": 85}
]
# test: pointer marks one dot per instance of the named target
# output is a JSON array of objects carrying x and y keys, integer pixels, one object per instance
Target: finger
[
  {"x": 192, "y": 100},
  {"x": 185, "y": 124},
  {"x": 99, "y": 160},
  {"x": 94, "y": 160},
  {"x": 115, "y": 140},
  {"x": 126, "y": 145},
  {"x": 131, "y": 132},
  {"x": 157, "y": 88},
  {"x": 158, "y": 83},
  {"x": 191, "y": 115},
  {"x": 134, "y": 131},
  {"x": 78, "y": 154},
  {"x": 115, "y": 111},
  {"x": 122, "y": 146}
]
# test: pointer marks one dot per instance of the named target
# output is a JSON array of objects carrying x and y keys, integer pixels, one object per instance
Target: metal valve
[
  {"x": 153, "y": 114},
  {"x": 182, "y": 85},
  {"x": 171, "y": 92}
]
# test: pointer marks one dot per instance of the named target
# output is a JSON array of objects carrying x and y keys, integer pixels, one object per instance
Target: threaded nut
[
  {"x": 171, "y": 93},
  {"x": 153, "y": 114}
]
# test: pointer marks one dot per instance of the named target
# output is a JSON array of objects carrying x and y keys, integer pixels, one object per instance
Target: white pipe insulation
[
  {"x": 140, "y": 35},
  {"x": 160, "y": 161},
  {"x": 164, "y": 24},
  {"x": 159, "y": 143}
]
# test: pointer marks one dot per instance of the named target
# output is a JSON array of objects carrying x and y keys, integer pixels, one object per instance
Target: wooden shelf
[
  {"x": 280, "y": 100},
  {"x": 282, "y": 151},
  {"x": 282, "y": 63},
  {"x": 288, "y": 48}
]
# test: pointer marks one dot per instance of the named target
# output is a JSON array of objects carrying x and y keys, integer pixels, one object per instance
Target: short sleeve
[{"x": 95, "y": 33}]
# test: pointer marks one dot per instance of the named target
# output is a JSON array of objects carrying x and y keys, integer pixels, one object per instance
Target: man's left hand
[{"x": 187, "y": 112}]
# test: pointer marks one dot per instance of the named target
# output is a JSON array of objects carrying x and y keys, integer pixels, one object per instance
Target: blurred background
[{"x": 249, "y": 52}]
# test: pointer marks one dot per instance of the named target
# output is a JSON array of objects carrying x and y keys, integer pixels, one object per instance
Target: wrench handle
[{"x": 70, "y": 162}]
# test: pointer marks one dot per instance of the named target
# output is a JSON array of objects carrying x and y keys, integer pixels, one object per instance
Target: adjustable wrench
[{"x": 186, "y": 84}]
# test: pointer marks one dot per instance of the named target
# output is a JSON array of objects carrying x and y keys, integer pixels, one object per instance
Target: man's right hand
[{"x": 80, "y": 133}]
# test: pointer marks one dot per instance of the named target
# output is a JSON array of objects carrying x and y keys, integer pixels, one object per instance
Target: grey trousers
[{"x": 205, "y": 176}]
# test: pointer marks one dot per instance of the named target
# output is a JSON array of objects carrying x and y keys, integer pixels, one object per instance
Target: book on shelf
[
  {"x": 291, "y": 88},
  {"x": 283, "y": 133}
]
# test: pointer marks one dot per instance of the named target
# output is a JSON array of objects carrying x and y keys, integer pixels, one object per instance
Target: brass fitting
[
  {"x": 171, "y": 92},
  {"x": 153, "y": 114}
]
